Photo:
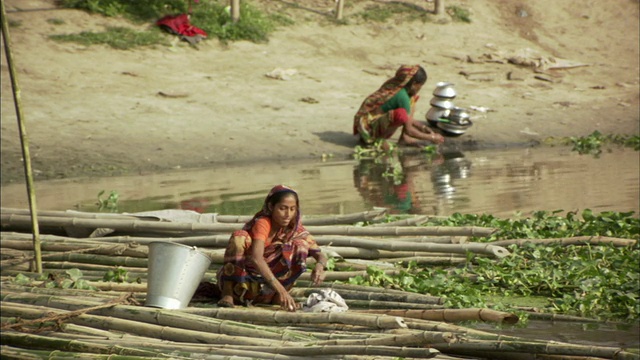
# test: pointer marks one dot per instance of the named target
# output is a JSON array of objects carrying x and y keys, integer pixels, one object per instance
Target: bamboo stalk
[
  {"x": 331, "y": 239},
  {"x": 375, "y": 304},
  {"x": 130, "y": 249},
  {"x": 82, "y": 266},
  {"x": 549, "y": 348},
  {"x": 119, "y": 225},
  {"x": 46, "y": 342},
  {"x": 428, "y": 260},
  {"x": 418, "y": 338},
  {"x": 412, "y": 221},
  {"x": 96, "y": 259},
  {"x": 24, "y": 141},
  {"x": 452, "y": 315},
  {"x": 361, "y": 295},
  {"x": 306, "y": 219},
  {"x": 346, "y": 275},
  {"x": 152, "y": 330},
  {"x": 19, "y": 353},
  {"x": 330, "y": 350},
  {"x": 481, "y": 248},
  {"x": 142, "y": 225},
  {"x": 401, "y": 231},
  {"x": 576, "y": 240},
  {"x": 373, "y": 254},
  {"x": 285, "y": 317},
  {"x": 68, "y": 213}
]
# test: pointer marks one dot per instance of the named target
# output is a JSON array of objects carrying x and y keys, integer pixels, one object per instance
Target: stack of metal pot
[{"x": 443, "y": 114}]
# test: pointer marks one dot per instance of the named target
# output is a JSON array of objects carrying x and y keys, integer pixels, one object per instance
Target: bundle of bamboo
[{"x": 47, "y": 318}]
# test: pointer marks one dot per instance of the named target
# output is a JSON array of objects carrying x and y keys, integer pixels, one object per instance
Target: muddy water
[{"x": 501, "y": 182}]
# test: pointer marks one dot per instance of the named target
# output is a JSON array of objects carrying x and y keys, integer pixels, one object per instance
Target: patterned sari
[
  {"x": 286, "y": 256},
  {"x": 368, "y": 122}
]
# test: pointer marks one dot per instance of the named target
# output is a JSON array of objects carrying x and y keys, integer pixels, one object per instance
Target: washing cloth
[{"x": 325, "y": 300}]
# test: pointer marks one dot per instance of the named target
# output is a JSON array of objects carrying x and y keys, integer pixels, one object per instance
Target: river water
[{"x": 501, "y": 182}]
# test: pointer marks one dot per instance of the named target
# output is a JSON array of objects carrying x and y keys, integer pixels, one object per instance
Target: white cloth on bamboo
[{"x": 325, "y": 300}]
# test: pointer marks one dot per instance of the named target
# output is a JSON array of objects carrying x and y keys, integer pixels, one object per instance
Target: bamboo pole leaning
[{"x": 24, "y": 141}]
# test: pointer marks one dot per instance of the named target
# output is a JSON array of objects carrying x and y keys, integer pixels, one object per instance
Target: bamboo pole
[
  {"x": 128, "y": 249},
  {"x": 39, "y": 341},
  {"x": 285, "y": 317},
  {"x": 576, "y": 240},
  {"x": 332, "y": 350},
  {"x": 412, "y": 221},
  {"x": 452, "y": 315},
  {"x": 362, "y": 295},
  {"x": 152, "y": 330},
  {"x": 417, "y": 338},
  {"x": 143, "y": 225},
  {"x": 31, "y": 193},
  {"x": 548, "y": 348},
  {"x": 371, "y": 215},
  {"x": 374, "y": 254}
]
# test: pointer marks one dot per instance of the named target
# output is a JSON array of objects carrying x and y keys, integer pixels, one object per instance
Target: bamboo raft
[{"x": 110, "y": 322}]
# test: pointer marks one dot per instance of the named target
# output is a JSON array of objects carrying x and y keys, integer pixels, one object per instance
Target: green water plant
[
  {"x": 68, "y": 279},
  {"x": 586, "y": 280},
  {"x": 110, "y": 203}
]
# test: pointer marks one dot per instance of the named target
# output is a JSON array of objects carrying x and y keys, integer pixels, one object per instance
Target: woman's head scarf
[{"x": 390, "y": 87}]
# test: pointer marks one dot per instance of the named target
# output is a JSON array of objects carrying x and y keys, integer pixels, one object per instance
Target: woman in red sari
[
  {"x": 391, "y": 107},
  {"x": 266, "y": 257}
]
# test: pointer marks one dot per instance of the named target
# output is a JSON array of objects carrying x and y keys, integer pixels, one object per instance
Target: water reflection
[
  {"x": 454, "y": 167},
  {"x": 500, "y": 182}
]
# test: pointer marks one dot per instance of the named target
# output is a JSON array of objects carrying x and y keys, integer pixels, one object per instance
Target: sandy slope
[{"x": 97, "y": 111}]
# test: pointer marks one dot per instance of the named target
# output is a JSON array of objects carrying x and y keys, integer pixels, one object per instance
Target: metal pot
[
  {"x": 459, "y": 116},
  {"x": 435, "y": 114},
  {"x": 442, "y": 103},
  {"x": 453, "y": 129},
  {"x": 445, "y": 90}
]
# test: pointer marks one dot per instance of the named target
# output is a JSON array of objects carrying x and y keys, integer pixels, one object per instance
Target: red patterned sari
[
  {"x": 369, "y": 122},
  {"x": 286, "y": 256}
]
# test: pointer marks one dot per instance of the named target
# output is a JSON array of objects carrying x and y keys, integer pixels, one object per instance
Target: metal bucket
[{"x": 174, "y": 273}]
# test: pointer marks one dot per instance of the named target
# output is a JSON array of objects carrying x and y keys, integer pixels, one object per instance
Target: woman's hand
[
  {"x": 286, "y": 301},
  {"x": 437, "y": 138},
  {"x": 317, "y": 275}
]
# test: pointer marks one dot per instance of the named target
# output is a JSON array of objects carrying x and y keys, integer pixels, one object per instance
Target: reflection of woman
[
  {"x": 264, "y": 259},
  {"x": 392, "y": 107}
]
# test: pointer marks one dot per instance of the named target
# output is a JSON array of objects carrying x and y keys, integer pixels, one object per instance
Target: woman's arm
[
  {"x": 257, "y": 256},
  {"x": 317, "y": 275},
  {"x": 419, "y": 131}
]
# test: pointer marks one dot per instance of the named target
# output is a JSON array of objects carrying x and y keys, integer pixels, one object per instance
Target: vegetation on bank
[
  {"x": 593, "y": 143},
  {"x": 214, "y": 18}
]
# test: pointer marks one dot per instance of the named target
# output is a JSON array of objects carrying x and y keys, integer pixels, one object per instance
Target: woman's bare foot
[{"x": 226, "y": 301}]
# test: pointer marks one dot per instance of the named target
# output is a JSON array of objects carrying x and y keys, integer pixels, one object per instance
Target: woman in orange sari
[
  {"x": 392, "y": 107},
  {"x": 264, "y": 259}
]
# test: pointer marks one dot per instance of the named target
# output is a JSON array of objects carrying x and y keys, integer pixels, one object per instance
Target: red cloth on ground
[{"x": 180, "y": 24}]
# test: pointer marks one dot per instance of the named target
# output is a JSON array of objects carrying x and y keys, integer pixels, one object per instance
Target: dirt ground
[{"x": 96, "y": 111}]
